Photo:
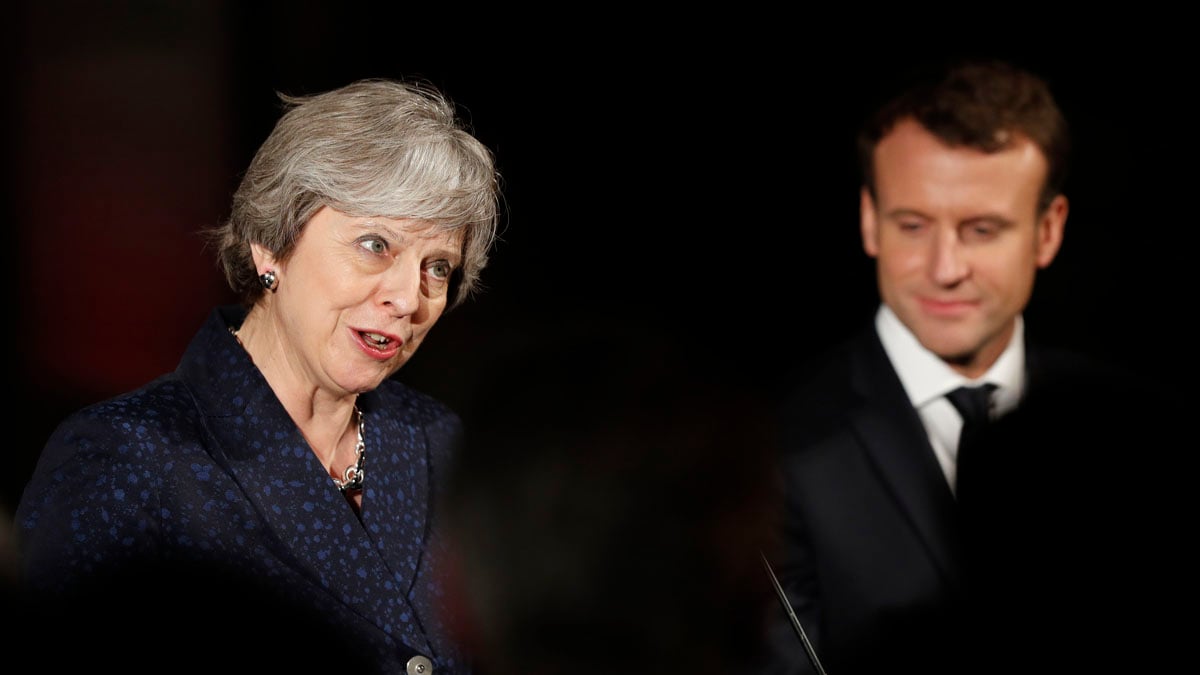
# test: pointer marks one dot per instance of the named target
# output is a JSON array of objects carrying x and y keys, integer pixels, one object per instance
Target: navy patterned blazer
[{"x": 205, "y": 465}]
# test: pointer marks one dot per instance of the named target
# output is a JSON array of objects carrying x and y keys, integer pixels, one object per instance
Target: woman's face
[{"x": 358, "y": 296}]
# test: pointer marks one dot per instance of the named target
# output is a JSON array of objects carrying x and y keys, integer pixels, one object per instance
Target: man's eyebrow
[
  {"x": 907, "y": 213},
  {"x": 988, "y": 219}
]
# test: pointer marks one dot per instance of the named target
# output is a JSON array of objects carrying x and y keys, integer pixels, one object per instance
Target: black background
[{"x": 687, "y": 177}]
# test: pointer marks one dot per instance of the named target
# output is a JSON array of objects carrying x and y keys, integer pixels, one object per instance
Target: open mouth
[{"x": 376, "y": 341}]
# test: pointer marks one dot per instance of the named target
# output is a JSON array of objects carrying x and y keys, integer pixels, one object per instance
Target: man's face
[{"x": 958, "y": 239}]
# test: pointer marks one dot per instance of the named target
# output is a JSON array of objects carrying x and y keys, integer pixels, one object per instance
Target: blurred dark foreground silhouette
[{"x": 608, "y": 512}]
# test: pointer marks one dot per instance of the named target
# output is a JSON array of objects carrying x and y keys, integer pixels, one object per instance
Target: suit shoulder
[
  {"x": 821, "y": 395},
  {"x": 1064, "y": 373},
  {"x": 395, "y": 395},
  {"x": 417, "y": 415},
  {"x": 155, "y": 411},
  {"x": 1101, "y": 394},
  {"x": 98, "y": 480}
]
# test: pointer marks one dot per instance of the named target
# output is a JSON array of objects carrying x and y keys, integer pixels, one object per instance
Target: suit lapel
[
  {"x": 398, "y": 504},
  {"x": 896, "y": 443},
  {"x": 263, "y": 450},
  {"x": 396, "y": 501}
]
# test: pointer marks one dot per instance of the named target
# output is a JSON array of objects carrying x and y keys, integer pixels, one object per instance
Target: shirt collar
[{"x": 926, "y": 377}]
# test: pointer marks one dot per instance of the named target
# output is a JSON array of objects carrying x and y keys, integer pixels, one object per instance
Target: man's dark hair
[{"x": 982, "y": 104}]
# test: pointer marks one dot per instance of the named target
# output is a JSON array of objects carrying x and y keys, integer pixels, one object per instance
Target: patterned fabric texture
[{"x": 204, "y": 466}]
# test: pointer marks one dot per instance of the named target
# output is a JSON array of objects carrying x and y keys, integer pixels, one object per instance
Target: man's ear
[
  {"x": 868, "y": 223},
  {"x": 1050, "y": 231}
]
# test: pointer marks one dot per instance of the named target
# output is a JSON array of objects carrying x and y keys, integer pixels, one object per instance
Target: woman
[{"x": 281, "y": 452}]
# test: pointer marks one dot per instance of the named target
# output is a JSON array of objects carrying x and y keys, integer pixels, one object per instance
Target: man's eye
[
  {"x": 376, "y": 246},
  {"x": 981, "y": 232},
  {"x": 911, "y": 226}
]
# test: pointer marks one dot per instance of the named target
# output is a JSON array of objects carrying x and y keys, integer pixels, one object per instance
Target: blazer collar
[
  {"x": 263, "y": 450},
  {"x": 895, "y": 441}
]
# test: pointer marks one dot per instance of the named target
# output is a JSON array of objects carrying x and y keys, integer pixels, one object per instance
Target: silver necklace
[{"x": 352, "y": 478}]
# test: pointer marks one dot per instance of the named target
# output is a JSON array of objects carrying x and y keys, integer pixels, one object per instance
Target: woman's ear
[{"x": 264, "y": 260}]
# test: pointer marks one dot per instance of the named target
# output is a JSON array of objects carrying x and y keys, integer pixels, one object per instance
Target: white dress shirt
[{"x": 927, "y": 379}]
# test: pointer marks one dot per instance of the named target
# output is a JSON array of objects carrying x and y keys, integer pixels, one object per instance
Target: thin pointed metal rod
[{"x": 787, "y": 606}]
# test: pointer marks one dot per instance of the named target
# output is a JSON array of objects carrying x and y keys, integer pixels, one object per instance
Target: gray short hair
[{"x": 375, "y": 147}]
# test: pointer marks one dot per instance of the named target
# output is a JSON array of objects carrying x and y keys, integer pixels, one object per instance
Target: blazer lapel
[
  {"x": 895, "y": 441},
  {"x": 405, "y": 448},
  {"x": 397, "y": 494},
  {"x": 263, "y": 450}
]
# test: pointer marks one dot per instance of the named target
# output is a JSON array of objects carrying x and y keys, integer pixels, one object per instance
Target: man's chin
[
  {"x": 970, "y": 358},
  {"x": 960, "y": 359},
  {"x": 958, "y": 353}
]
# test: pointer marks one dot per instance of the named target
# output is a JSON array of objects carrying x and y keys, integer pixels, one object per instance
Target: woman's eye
[
  {"x": 376, "y": 246},
  {"x": 440, "y": 269}
]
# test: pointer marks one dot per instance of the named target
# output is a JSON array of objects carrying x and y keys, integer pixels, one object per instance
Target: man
[{"x": 888, "y": 565}]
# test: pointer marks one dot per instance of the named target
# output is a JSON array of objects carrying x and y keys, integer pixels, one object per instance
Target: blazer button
[{"x": 419, "y": 665}]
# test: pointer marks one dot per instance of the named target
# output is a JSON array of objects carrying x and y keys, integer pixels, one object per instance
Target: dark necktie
[{"x": 973, "y": 404}]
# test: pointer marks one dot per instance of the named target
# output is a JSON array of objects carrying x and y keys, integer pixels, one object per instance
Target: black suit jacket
[{"x": 888, "y": 573}]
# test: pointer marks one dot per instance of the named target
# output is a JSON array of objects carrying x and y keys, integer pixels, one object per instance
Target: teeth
[{"x": 377, "y": 338}]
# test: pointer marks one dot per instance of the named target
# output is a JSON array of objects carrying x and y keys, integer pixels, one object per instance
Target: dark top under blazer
[
  {"x": 204, "y": 465},
  {"x": 888, "y": 573}
]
